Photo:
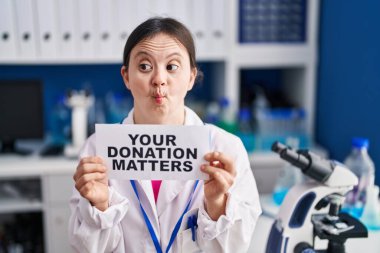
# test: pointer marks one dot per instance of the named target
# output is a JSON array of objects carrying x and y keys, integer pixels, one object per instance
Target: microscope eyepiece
[
  {"x": 278, "y": 147},
  {"x": 297, "y": 159},
  {"x": 310, "y": 164}
]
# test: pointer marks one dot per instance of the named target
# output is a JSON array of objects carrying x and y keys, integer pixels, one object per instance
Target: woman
[{"x": 159, "y": 68}]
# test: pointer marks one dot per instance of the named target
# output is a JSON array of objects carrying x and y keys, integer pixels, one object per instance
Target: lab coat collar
[{"x": 191, "y": 118}]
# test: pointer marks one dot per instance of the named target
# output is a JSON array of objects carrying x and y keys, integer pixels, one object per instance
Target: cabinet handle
[{"x": 5, "y": 36}]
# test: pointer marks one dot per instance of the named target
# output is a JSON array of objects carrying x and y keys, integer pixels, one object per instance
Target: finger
[
  {"x": 223, "y": 182},
  {"x": 85, "y": 189},
  {"x": 89, "y": 168},
  {"x": 91, "y": 159},
  {"x": 89, "y": 177},
  {"x": 217, "y": 164},
  {"x": 220, "y": 157},
  {"x": 217, "y": 174},
  {"x": 87, "y": 160}
]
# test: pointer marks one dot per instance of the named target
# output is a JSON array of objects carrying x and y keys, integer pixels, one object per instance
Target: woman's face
[{"x": 159, "y": 76}]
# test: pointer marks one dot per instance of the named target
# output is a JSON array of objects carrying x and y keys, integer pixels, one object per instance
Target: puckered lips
[{"x": 158, "y": 97}]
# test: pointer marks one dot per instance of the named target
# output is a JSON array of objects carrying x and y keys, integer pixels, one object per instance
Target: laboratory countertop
[
  {"x": 34, "y": 165},
  {"x": 14, "y": 165}
]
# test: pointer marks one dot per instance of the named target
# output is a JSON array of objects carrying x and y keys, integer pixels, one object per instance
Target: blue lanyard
[{"x": 149, "y": 224}]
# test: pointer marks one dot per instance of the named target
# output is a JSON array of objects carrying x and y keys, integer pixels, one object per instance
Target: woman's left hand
[{"x": 222, "y": 172}]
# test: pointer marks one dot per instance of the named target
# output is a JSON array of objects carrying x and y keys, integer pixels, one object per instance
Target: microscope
[
  {"x": 303, "y": 214},
  {"x": 79, "y": 102}
]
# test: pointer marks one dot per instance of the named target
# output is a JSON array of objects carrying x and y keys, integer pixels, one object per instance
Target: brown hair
[{"x": 156, "y": 25}]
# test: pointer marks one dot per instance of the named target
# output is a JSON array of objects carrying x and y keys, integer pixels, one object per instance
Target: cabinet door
[
  {"x": 58, "y": 189},
  {"x": 57, "y": 229}
]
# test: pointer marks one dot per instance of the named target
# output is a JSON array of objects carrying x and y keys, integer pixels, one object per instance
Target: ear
[
  {"x": 193, "y": 76},
  {"x": 124, "y": 75}
]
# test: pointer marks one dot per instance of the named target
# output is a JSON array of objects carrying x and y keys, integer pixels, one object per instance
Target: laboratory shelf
[{"x": 19, "y": 205}]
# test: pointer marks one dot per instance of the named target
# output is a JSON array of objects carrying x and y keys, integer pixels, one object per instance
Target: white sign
[{"x": 153, "y": 151}]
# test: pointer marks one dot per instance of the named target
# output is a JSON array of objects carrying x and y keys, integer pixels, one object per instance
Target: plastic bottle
[
  {"x": 212, "y": 113},
  {"x": 288, "y": 177},
  {"x": 260, "y": 110},
  {"x": 245, "y": 130},
  {"x": 117, "y": 107},
  {"x": 244, "y": 123},
  {"x": 360, "y": 163},
  {"x": 259, "y": 106},
  {"x": 371, "y": 212},
  {"x": 227, "y": 117},
  {"x": 60, "y": 124},
  {"x": 92, "y": 114}
]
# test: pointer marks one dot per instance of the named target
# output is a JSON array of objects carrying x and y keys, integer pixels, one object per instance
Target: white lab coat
[{"x": 121, "y": 228}]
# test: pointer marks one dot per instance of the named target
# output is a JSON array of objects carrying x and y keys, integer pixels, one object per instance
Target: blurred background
[{"x": 305, "y": 72}]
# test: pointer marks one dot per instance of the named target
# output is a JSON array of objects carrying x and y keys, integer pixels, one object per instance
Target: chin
[
  {"x": 159, "y": 114},
  {"x": 161, "y": 109}
]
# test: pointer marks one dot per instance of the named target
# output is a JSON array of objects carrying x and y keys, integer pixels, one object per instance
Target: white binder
[
  {"x": 161, "y": 8},
  {"x": 125, "y": 24},
  {"x": 144, "y": 10},
  {"x": 199, "y": 25},
  {"x": 217, "y": 26},
  {"x": 86, "y": 29},
  {"x": 26, "y": 34},
  {"x": 105, "y": 33},
  {"x": 47, "y": 33},
  {"x": 179, "y": 10},
  {"x": 8, "y": 46},
  {"x": 67, "y": 29}
]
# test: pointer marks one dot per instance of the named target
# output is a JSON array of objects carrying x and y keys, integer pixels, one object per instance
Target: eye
[
  {"x": 145, "y": 67},
  {"x": 172, "y": 67}
]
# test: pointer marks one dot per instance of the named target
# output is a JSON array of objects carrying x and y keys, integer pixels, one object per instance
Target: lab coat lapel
[
  {"x": 169, "y": 190},
  {"x": 146, "y": 185}
]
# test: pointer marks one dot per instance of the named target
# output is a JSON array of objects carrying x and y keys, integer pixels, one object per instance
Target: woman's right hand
[{"x": 91, "y": 181}]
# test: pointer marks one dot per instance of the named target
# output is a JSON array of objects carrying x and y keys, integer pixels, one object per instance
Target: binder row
[
  {"x": 93, "y": 30},
  {"x": 279, "y": 21}
]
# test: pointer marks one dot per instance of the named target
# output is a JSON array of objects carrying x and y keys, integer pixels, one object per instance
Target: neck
[{"x": 175, "y": 118}]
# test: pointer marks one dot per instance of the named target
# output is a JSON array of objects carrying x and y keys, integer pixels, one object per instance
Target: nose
[{"x": 159, "y": 77}]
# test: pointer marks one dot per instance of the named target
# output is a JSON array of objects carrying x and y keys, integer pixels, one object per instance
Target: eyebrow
[
  {"x": 174, "y": 54},
  {"x": 139, "y": 53}
]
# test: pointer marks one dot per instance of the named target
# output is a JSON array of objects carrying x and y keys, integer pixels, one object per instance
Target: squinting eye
[
  {"x": 145, "y": 67},
  {"x": 172, "y": 67}
]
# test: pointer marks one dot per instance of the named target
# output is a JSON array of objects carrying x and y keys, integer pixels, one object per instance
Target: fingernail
[{"x": 214, "y": 163}]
